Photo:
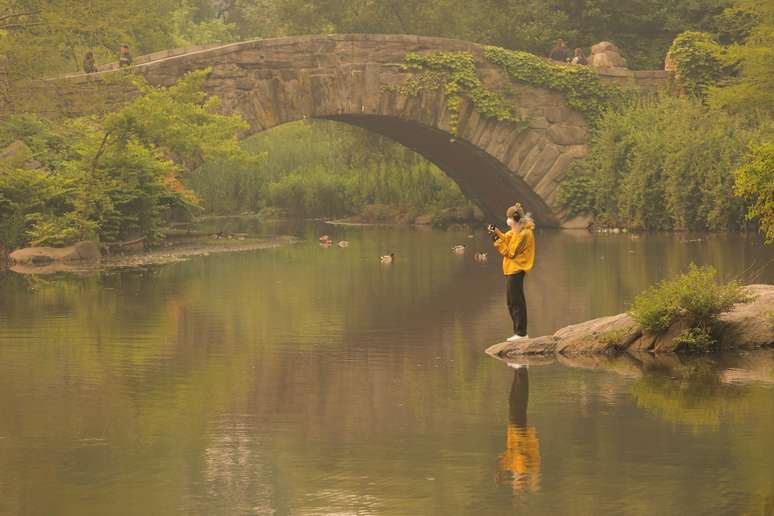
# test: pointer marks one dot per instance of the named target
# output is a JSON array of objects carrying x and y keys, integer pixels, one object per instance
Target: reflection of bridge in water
[{"x": 343, "y": 78}]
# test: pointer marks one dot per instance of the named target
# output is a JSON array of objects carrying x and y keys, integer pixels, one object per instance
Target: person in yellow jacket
[{"x": 517, "y": 246}]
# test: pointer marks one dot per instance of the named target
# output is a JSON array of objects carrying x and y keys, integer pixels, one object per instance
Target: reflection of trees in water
[
  {"x": 519, "y": 464},
  {"x": 689, "y": 391}
]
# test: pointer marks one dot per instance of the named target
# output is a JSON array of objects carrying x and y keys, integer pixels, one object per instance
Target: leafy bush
[
  {"x": 696, "y": 340},
  {"x": 115, "y": 177},
  {"x": 663, "y": 164},
  {"x": 697, "y": 59},
  {"x": 576, "y": 196},
  {"x": 746, "y": 88},
  {"x": 755, "y": 180},
  {"x": 319, "y": 168},
  {"x": 695, "y": 295}
]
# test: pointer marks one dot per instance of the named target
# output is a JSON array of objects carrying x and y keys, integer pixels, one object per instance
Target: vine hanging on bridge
[
  {"x": 455, "y": 73},
  {"x": 581, "y": 86}
]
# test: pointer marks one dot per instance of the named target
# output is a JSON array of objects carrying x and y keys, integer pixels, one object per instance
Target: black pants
[{"x": 517, "y": 304}]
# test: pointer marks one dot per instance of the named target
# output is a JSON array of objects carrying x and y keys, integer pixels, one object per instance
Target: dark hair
[{"x": 516, "y": 216}]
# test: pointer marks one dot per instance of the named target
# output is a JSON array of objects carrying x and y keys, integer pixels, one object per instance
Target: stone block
[{"x": 562, "y": 134}]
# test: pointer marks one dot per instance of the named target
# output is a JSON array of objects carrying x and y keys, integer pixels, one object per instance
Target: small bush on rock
[{"x": 695, "y": 295}]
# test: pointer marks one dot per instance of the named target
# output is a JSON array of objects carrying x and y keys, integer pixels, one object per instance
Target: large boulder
[
  {"x": 602, "y": 335},
  {"x": 82, "y": 251},
  {"x": 606, "y": 55},
  {"x": 747, "y": 326}
]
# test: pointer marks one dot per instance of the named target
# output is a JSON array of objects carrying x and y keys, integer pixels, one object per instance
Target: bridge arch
[{"x": 347, "y": 78}]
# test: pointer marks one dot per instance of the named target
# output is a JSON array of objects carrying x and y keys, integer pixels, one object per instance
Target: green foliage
[
  {"x": 755, "y": 180},
  {"x": 192, "y": 28},
  {"x": 734, "y": 24},
  {"x": 116, "y": 177},
  {"x": 644, "y": 30},
  {"x": 323, "y": 169},
  {"x": 662, "y": 164},
  {"x": 576, "y": 195},
  {"x": 181, "y": 120},
  {"x": 696, "y": 295},
  {"x": 455, "y": 73},
  {"x": 696, "y": 340},
  {"x": 22, "y": 192},
  {"x": 57, "y": 33},
  {"x": 697, "y": 60},
  {"x": 580, "y": 85},
  {"x": 616, "y": 337},
  {"x": 748, "y": 90}
]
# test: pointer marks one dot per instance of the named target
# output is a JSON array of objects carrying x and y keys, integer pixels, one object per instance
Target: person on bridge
[
  {"x": 124, "y": 58},
  {"x": 579, "y": 58},
  {"x": 89, "y": 66},
  {"x": 560, "y": 52},
  {"x": 517, "y": 246}
]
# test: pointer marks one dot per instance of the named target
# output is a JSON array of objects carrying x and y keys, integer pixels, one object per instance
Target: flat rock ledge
[
  {"x": 82, "y": 251},
  {"x": 748, "y": 326}
]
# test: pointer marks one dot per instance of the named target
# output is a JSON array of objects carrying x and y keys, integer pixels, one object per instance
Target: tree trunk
[{"x": 3, "y": 258}]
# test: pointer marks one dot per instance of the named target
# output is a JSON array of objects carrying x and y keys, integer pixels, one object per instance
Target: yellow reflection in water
[{"x": 519, "y": 465}]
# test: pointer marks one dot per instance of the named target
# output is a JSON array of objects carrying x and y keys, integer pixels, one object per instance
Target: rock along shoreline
[
  {"x": 87, "y": 256},
  {"x": 747, "y": 326}
]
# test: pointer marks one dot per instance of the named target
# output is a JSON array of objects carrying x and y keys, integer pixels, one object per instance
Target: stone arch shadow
[{"x": 481, "y": 177}]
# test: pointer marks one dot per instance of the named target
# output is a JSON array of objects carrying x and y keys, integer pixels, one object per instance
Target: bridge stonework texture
[{"x": 343, "y": 78}]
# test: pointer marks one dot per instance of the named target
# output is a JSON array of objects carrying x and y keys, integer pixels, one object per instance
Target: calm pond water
[{"x": 303, "y": 380}]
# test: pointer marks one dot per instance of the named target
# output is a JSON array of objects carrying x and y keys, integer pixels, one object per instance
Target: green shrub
[
  {"x": 755, "y": 180},
  {"x": 663, "y": 164},
  {"x": 318, "y": 168},
  {"x": 696, "y": 340},
  {"x": 116, "y": 176},
  {"x": 697, "y": 59},
  {"x": 576, "y": 195},
  {"x": 695, "y": 295}
]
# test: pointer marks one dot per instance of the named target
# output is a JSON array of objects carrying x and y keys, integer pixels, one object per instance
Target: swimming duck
[
  {"x": 459, "y": 249},
  {"x": 343, "y": 243},
  {"x": 481, "y": 256},
  {"x": 388, "y": 258},
  {"x": 325, "y": 238}
]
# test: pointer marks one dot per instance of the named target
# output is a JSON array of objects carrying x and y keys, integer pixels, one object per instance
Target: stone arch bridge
[{"x": 343, "y": 78}]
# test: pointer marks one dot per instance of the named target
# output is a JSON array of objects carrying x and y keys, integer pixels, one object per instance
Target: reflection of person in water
[{"x": 519, "y": 464}]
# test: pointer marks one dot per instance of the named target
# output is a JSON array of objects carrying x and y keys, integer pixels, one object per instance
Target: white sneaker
[
  {"x": 517, "y": 337},
  {"x": 514, "y": 365}
]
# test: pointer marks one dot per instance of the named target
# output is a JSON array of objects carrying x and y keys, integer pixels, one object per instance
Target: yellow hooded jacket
[{"x": 517, "y": 249}]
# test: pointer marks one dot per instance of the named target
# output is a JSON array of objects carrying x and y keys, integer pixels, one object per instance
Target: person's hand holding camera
[{"x": 491, "y": 230}]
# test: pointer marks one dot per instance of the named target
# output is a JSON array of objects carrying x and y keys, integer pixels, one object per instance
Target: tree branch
[
  {"x": 17, "y": 15},
  {"x": 99, "y": 152}
]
